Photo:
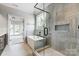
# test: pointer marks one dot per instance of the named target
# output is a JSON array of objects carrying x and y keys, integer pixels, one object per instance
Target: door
[{"x": 15, "y": 30}]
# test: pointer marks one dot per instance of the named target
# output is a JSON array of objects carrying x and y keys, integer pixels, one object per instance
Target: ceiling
[{"x": 25, "y": 7}]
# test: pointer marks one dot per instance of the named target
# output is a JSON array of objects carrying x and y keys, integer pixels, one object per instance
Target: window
[{"x": 41, "y": 21}]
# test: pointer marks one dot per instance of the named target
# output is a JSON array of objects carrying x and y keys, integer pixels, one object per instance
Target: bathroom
[{"x": 51, "y": 30}]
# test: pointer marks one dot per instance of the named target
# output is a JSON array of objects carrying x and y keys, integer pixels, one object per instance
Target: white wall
[
  {"x": 3, "y": 24},
  {"x": 29, "y": 25}
]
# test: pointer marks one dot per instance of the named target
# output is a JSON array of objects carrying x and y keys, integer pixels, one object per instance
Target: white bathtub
[{"x": 36, "y": 42}]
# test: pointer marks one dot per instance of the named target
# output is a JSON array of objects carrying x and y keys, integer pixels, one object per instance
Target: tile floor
[
  {"x": 15, "y": 39},
  {"x": 21, "y": 49}
]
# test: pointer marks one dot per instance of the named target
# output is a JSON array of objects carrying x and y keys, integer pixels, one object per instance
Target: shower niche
[{"x": 62, "y": 27}]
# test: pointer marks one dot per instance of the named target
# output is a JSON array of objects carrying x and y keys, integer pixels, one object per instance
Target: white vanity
[{"x": 36, "y": 42}]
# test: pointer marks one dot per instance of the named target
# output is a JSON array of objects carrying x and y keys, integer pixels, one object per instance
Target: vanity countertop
[{"x": 2, "y": 33}]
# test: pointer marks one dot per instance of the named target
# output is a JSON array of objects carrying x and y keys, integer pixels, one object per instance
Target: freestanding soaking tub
[{"x": 36, "y": 42}]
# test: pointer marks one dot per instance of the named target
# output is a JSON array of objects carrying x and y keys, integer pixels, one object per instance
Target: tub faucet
[{"x": 39, "y": 33}]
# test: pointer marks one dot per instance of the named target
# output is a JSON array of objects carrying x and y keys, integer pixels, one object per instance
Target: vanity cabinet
[{"x": 2, "y": 42}]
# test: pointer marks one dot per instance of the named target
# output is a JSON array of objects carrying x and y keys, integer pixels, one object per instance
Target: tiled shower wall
[{"x": 65, "y": 42}]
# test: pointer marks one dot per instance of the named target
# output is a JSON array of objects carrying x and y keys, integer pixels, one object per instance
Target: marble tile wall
[{"x": 64, "y": 41}]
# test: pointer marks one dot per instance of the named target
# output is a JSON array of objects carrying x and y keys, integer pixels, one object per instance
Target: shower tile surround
[{"x": 63, "y": 41}]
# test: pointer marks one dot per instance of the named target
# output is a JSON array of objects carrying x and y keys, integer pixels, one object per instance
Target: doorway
[{"x": 15, "y": 30}]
